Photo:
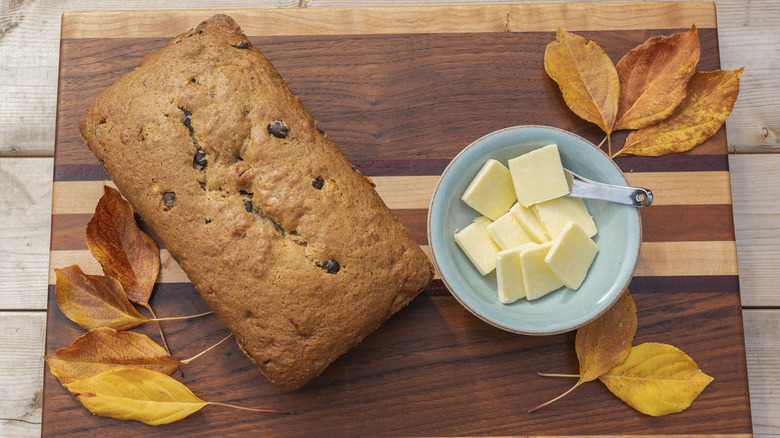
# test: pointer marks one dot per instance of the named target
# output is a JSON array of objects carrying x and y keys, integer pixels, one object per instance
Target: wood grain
[
  {"x": 27, "y": 112},
  {"x": 404, "y": 97},
  {"x": 756, "y": 212},
  {"x": 25, "y": 219},
  {"x": 747, "y": 37},
  {"x": 402, "y": 20}
]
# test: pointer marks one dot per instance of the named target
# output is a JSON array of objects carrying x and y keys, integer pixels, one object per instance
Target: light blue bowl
[{"x": 619, "y": 236}]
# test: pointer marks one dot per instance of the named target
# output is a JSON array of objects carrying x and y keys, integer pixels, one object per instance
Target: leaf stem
[
  {"x": 159, "y": 327},
  {"x": 602, "y": 141},
  {"x": 557, "y": 375},
  {"x": 207, "y": 350},
  {"x": 176, "y": 318},
  {"x": 272, "y": 411},
  {"x": 609, "y": 144},
  {"x": 534, "y": 409}
]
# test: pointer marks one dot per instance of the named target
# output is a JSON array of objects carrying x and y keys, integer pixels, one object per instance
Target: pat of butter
[
  {"x": 491, "y": 192},
  {"x": 571, "y": 255},
  {"x": 555, "y": 214},
  {"x": 507, "y": 232},
  {"x": 476, "y": 243},
  {"x": 538, "y": 176},
  {"x": 509, "y": 275},
  {"x": 538, "y": 278},
  {"x": 527, "y": 218}
]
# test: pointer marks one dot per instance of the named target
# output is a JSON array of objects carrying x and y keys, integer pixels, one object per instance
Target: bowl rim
[{"x": 452, "y": 289}]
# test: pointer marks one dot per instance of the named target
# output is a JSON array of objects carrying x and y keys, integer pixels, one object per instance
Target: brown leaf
[
  {"x": 657, "y": 379},
  {"x": 605, "y": 342},
  {"x": 104, "y": 348},
  {"x": 93, "y": 301},
  {"x": 653, "y": 78},
  {"x": 586, "y": 76},
  {"x": 707, "y": 105},
  {"x": 125, "y": 252}
]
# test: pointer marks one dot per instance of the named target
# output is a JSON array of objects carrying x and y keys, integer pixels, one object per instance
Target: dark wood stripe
[
  {"x": 691, "y": 223},
  {"x": 466, "y": 85},
  {"x": 68, "y": 231},
  {"x": 435, "y": 166},
  {"x": 715, "y": 284},
  {"x": 696, "y": 223}
]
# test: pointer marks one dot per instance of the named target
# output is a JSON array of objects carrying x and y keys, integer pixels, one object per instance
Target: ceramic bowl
[{"x": 619, "y": 236}]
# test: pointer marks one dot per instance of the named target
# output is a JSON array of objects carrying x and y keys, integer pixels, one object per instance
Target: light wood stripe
[
  {"x": 414, "y": 192},
  {"x": 687, "y": 258},
  {"x": 684, "y": 188},
  {"x": 399, "y": 20},
  {"x": 656, "y": 259}
]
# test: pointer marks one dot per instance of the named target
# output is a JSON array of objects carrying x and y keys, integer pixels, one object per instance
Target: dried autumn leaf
[
  {"x": 605, "y": 342},
  {"x": 653, "y": 78},
  {"x": 143, "y": 395},
  {"x": 104, "y": 348},
  {"x": 125, "y": 252},
  {"x": 710, "y": 99},
  {"x": 586, "y": 76},
  {"x": 93, "y": 301},
  {"x": 657, "y": 379},
  {"x": 136, "y": 394}
]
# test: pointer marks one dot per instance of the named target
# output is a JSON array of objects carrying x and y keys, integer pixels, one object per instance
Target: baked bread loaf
[{"x": 288, "y": 244}]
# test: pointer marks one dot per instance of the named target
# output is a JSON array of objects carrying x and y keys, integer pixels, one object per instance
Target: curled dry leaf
[
  {"x": 710, "y": 99},
  {"x": 125, "y": 252},
  {"x": 136, "y": 394},
  {"x": 653, "y": 78},
  {"x": 605, "y": 342},
  {"x": 586, "y": 76},
  {"x": 93, "y": 301},
  {"x": 657, "y": 379},
  {"x": 102, "y": 349}
]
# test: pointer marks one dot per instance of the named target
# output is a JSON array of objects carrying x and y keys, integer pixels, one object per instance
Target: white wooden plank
[
  {"x": 763, "y": 359},
  {"x": 21, "y": 381},
  {"x": 754, "y": 178},
  {"x": 25, "y": 218}
]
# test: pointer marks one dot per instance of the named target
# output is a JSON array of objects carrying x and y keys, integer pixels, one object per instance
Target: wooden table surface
[{"x": 29, "y": 43}]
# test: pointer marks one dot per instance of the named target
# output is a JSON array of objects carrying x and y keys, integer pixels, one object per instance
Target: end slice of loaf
[{"x": 288, "y": 244}]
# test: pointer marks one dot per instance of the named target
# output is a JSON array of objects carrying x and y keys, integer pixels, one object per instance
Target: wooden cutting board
[{"x": 401, "y": 91}]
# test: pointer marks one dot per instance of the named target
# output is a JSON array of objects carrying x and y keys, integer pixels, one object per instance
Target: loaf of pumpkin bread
[{"x": 288, "y": 244}]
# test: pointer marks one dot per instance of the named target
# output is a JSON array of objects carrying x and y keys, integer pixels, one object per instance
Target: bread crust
[{"x": 288, "y": 244}]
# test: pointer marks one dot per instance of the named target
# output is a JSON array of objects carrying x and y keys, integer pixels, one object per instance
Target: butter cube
[
  {"x": 476, "y": 243},
  {"x": 527, "y": 218},
  {"x": 491, "y": 192},
  {"x": 538, "y": 176},
  {"x": 538, "y": 278},
  {"x": 571, "y": 255},
  {"x": 507, "y": 232},
  {"x": 555, "y": 214},
  {"x": 509, "y": 274}
]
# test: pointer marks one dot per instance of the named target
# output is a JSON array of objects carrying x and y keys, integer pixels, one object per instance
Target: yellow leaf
[
  {"x": 605, "y": 342},
  {"x": 93, "y": 301},
  {"x": 710, "y": 98},
  {"x": 586, "y": 76},
  {"x": 653, "y": 78},
  {"x": 136, "y": 394},
  {"x": 124, "y": 251},
  {"x": 102, "y": 349},
  {"x": 657, "y": 379}
]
